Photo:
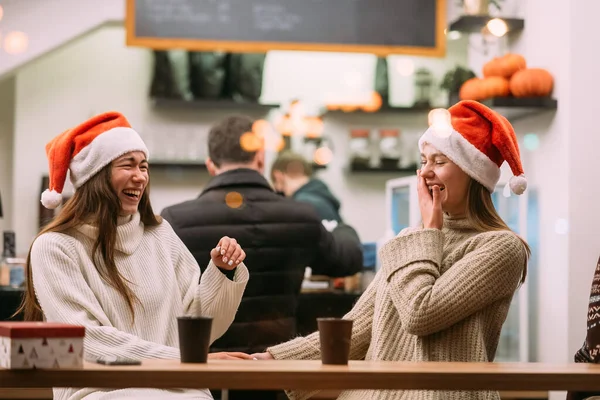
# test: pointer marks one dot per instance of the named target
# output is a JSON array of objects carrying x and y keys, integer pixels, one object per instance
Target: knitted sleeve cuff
[
  {"x": 417, "y": 246},
  {"x": 302, "y": 348}
]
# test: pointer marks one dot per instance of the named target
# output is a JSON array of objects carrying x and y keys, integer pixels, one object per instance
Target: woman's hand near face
[
  {"x": 430, "y": 204},
  {"x": 228, "y": 253}
]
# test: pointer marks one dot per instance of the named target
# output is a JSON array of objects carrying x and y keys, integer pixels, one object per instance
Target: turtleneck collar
[
  {"x": 456, "y": 223},
  {"x": 130, "y": 230}
]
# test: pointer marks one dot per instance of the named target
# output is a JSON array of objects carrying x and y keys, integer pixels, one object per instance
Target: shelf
[
  {"x": 181, "y": 165},
  {"x": 515, "y": 108},
  {"x": 380, "y": 169},
  {"x": 210, "y": 104},
  {"x": 384, "y": 110},
  {"x": 475, "y": 23},
  {"x": 194, "y": 166}
]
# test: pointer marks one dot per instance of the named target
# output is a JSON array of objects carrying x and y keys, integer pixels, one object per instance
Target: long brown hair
[
  {"x": 97, "y": 203},
  {"x": 483, "y": 217}
]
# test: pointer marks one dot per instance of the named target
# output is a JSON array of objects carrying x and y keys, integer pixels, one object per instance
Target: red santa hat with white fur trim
[
  {"x": 85, "y": 150},
  {"x": 478, "y": 140}
]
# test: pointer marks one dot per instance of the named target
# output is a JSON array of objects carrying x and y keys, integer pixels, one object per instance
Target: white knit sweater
[{"x": 166, "y": 279}]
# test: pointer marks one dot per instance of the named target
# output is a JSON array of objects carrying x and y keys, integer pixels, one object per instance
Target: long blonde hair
[
  {"x": 95, "y": 202},
  {"x": 483, "y": 217}
]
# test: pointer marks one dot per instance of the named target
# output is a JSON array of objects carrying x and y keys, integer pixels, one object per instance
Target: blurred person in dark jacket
[
  {"x": 292, "y": 176},
  {"x": 281, "y": 237}
]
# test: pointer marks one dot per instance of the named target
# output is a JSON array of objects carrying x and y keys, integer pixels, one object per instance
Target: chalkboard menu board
[{"x": 381, "y": 27}]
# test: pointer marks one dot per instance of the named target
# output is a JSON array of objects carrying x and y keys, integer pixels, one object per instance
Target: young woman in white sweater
[
  {"x": 107, "y": 262},
  {"x": 444, "y": 288}
]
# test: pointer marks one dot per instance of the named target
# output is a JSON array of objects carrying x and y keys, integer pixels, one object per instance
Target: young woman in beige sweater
[
  {"x": 106, "y": 262},
  {"x": 444, "y": 288}
]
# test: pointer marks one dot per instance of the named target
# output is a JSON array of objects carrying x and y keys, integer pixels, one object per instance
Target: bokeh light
[
  {"x": 440, "y": 122},
  {"x": 15, "y": 42},
  {"x": 261, "y": 128},
  {"x": 438, "y": 116},
  {"x": 497, "y": 27},
  {"x": 531, "y": 141},
  {"x": 323, "y": 156},
  {"x": 454, "y": 35},
  {"x": 234, "y": 200},
  {"x": 314, "y": 127},
  {"x": 250, "y": 142},
  {"x": 374, "y": 104},
  {"x": 274, "y": 143},
  {"x": 405, "y": 67},
  {"x": 284, "y": 125}
]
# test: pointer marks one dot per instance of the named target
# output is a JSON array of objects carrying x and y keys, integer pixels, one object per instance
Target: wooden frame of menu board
[{"x": 158, "y": 43}]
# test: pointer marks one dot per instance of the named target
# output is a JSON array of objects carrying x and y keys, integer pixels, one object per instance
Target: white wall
[
  {"x": 7, "y": 118},
  {"x": 563, "y": 169},
  {"x": 93, "y": 74},
  {"x": 584, "y": 213},
  {"x": 51, "y": 23},
  {"x": 541, "y": 46},
  {"x": 98, "y": 73}
]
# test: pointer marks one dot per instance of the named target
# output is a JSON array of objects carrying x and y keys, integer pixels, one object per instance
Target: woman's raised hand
[{"x": 227, "y": 254}]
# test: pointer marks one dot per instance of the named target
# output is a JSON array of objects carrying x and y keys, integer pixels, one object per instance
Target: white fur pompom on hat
[
  {"x": 51, "y": 199},
  {"x": 518, "y": 184}
]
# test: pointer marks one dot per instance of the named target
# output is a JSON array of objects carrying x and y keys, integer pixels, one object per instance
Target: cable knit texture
[
  {"x": 441, "y": 295},
  {"x": 162, "y": 273}
]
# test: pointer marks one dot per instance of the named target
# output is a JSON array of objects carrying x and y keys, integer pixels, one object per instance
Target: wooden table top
[{"x": 313, "y": 375}]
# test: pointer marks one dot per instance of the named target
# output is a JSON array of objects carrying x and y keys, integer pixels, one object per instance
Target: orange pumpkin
[
  {"x": 532, "y": 82},
  {"x": 505, "y": 66},
  {"x": 481, "y": 89},
  {"x": 471, "y": 90},
  {"x": 374, "y": 104},
  {"x": 495, "y": 86}
]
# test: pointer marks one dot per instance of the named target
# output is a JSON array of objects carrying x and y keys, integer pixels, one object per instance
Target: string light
[{"x": 497, "y": 27}]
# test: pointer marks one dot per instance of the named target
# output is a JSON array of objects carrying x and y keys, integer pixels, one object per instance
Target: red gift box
[{"x": 25, "y": 345}]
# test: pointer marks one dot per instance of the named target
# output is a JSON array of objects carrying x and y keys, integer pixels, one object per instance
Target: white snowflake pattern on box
[{"x": 39, "y": 346}]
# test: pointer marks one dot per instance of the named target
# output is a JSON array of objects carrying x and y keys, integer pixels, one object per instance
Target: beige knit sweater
[
  {"x": 166, "y": 279},
  {"x": 441, "y": 295}
]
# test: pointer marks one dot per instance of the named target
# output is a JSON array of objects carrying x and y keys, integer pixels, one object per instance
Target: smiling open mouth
[
  {"x": 431, "y": 189},
  {"x": 133, "y": 194}
]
